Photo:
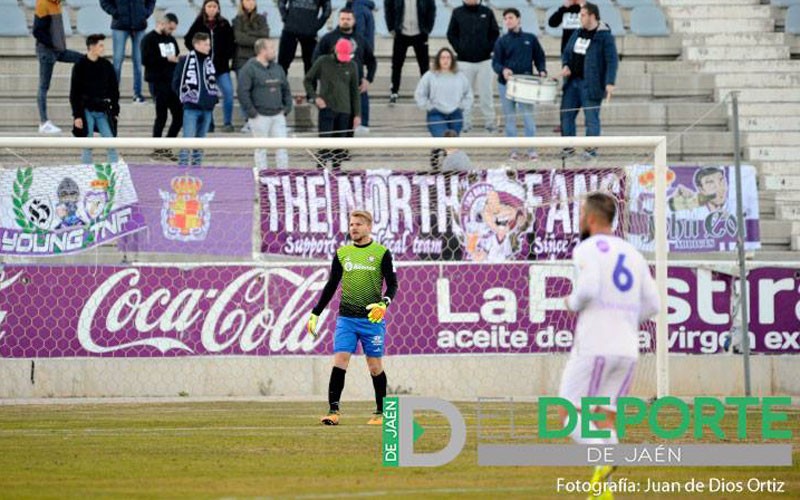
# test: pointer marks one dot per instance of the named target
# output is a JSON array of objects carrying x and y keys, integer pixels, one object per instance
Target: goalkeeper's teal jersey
[{"x": 362, "y": 270}]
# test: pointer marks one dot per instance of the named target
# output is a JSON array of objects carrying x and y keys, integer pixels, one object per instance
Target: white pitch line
[{"x": 381, "y": 493}]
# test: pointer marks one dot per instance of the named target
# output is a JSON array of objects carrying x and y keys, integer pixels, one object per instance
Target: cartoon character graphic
[
  {"x": 68, "y": 194},
  {"x": 94, "y": 203},
  {"x": 711, "y": 194},
  {"x": 186, "y": 214},
  {"x": 494, "y": 217}
]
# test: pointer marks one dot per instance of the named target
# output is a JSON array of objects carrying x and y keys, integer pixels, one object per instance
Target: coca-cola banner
[
  {"x": 205, "y": 210},
  {"x": 483, "y": 216},
  {"x": 62, "y": 210},
  {"x": 118, "y": 311},
  {"x": 701, "y": 208}
]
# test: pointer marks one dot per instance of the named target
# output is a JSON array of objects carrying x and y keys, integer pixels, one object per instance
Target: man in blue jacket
[
  {"x": 129, "y": 19},
  {"x": 589, "y": 69},
  {"x": 516, "y": 53}
]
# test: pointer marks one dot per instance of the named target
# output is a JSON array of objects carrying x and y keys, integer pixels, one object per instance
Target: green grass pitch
[{"x": 277, "y": 449}]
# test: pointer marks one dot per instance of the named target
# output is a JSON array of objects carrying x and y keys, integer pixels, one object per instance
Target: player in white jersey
[{"x": 613, "y": 293}]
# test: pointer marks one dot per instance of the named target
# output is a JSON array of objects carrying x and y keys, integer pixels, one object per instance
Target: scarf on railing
[{"x": 190, "y": 80}]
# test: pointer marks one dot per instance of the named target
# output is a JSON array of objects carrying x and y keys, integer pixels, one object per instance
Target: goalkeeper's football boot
[
  {"x": 377, "y": 419},
  {"x": 332, "y": 418},
  {"x": 601, "y": 474}
]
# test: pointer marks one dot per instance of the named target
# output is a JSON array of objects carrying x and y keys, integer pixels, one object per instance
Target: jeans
[
  {"x": 288, "y": 46},
  {"x": 47, "y": 59},
  {"x": 333, "y": 124},
  {"x": 195, "y": 124},
  {"x": 510, "y": 110},
  {"x": 365, "y": 109},
  {"x": 165, "y": 99},
  {"x": 97, "y": 120},
  {"x": 225, "y": 85},
  {"x": 120, "y": 38},
  {"x": 480, "y": 77},
  {"x": 400, "y": 47},
  {"x": 439, "y": 122},
  {"x": 269, "y": 126},
  {"x": 573, "y": 99}
]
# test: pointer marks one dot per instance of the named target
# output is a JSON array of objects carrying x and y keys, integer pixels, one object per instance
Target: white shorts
[{"x": 608, "y": 376}]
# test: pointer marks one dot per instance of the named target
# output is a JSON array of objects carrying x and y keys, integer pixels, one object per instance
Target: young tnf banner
[{"x": 48, "y": 211}]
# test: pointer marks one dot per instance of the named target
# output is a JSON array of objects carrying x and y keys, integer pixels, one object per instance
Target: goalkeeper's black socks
[
  {"x": 335, "y": 387},
  {"x": 379, "y": 383}
]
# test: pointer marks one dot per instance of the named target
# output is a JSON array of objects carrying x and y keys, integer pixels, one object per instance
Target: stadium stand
[
  {"x": 630, "y": 4},
  {"x": 530, "y": 21},
  {"x": 648, "y": 20},
  {"x": 186, "y": 15},
  {"x": 666, "y": 83},
  {"x": 611, "y": 16}
]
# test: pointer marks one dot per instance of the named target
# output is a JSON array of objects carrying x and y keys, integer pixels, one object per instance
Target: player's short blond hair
[{"x": 363, "y": 214}]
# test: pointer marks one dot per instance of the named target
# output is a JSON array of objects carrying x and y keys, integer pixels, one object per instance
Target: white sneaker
[
  {"x": 361, "y": 131},
  {"x": 49, "y": 128},
  {"x": 246, "y": 129}
]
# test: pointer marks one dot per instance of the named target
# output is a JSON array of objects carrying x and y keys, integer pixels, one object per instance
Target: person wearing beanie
[{"x": 332, "y": 84}]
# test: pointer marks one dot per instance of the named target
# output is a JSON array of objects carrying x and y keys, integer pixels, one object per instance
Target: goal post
[{"x": 397, "y": 198}]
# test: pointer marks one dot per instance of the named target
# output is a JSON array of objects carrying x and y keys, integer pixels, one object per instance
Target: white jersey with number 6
[{"x": 613, "y": 293}]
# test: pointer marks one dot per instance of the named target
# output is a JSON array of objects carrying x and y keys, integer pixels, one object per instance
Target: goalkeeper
[{"x": 361, "y": 267}]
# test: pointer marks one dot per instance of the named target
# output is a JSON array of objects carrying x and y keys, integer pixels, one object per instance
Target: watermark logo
[{"x": 401, "y": 431}]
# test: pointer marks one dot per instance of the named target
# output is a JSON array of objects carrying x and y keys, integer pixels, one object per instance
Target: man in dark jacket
[
  {"x": 410, "y": 22},
  {"x": 195, "y": 83},
  {"x": 365, "y": 20},
  {"x": 129, "y": 19},
  {"x": 516, "y": 53},
  {"x": 472, "y": 33},
  {"x": 589, "y": 69},
  {"x": 94, "y": 95},
  {"x": 302, "y": 19},
  {"x": 51, "y": 46},
  {"x": 363, "y": 55},
  {"x": 266, "y": 99},
  {"x": 337, "y": 96},
  {"x": 159, "y": 57},
  {"x": 568, "y": 17}
]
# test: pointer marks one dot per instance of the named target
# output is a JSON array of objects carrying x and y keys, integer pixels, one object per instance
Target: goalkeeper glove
[
  {"x": 377, "y": 311},
  {"x": 311, "y": 326}
]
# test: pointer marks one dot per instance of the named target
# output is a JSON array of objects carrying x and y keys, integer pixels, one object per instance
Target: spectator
[
  {"x": 160, "y": 56},
  {"x": 456, "y": 160},
  {"x": 445, "y": 94},
  {"x": 210, "y": 21},
  {"x": 94, "y": 95},
  {"x": 265, "y": 98},
  {"x": 302, "y": 19},
  {"x": 51, "y": 46},
  {"x": 568, "y": 17},
  {"x": 472, "y": 33},
  {"x": 365, "y": 22},
  {"x": 410, "y": 22},
  {"x": 336, "y": 96},
  {"x": 363, "y": 55},
  {"x": 516, "y": 53},
  {"x": 248, "y": 26},
  {"x": 590, "y": 70},
  {"x": 196, "y": 85},
  {"x": 129, "y": 19}
]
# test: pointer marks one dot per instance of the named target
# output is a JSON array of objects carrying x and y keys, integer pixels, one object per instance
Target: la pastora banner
[
  {"x": 457, "y": 308},
  {"x": 49, "y": 211}
]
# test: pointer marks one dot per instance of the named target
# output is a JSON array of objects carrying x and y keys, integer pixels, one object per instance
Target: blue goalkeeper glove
[
  {"x": 311, "y": 326},
  {"x": 378, "y": 310}
]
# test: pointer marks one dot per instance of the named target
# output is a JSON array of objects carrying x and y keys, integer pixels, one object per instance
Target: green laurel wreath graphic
[
  {"x": 105, "y": 172},
  {"x": 22, "y": 187}
]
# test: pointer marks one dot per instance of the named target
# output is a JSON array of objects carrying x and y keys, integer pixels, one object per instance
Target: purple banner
[
  {"x": 83, "y": 311},
  {"x": 701, "y": 208},
  {"x": 205, "y": 210},
  {"x": 482, "y": 216}
]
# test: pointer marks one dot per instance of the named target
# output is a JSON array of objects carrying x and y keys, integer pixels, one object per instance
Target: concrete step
[
  {"x": 791, "y": 95},
  {"x": 764, "y": 139},
  {"x": 726, "y": 12},
  {"x": 776, "y": 66},
  {"x": 770, "y": 124},
  {"x": 773, "y": 153},
  {"x": 734, "y": 39},
  {"x": 795, "y": 243},
  {"x": 693, "y": 3},
  {"x": 788, "y": 212},
  {"x": 714, "y": 25},
  {"x": 757, "y": 80},
  {"x": 749, "y": 109},
  {"x": 720, "y": 53},
  {"x": 778, "y": 232},
  {"x": 778, "y": 167}
]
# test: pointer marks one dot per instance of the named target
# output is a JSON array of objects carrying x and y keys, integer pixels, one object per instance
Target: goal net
[{"x": 190, "y": 267}]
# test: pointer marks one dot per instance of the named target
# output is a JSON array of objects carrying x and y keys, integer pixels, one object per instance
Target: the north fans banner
[
  {"x": 205, "y": 210},
  {"x": 483, "y": 216},
  {"x": 62, "y": 210},
  {"x": 123, "y": 311}
]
